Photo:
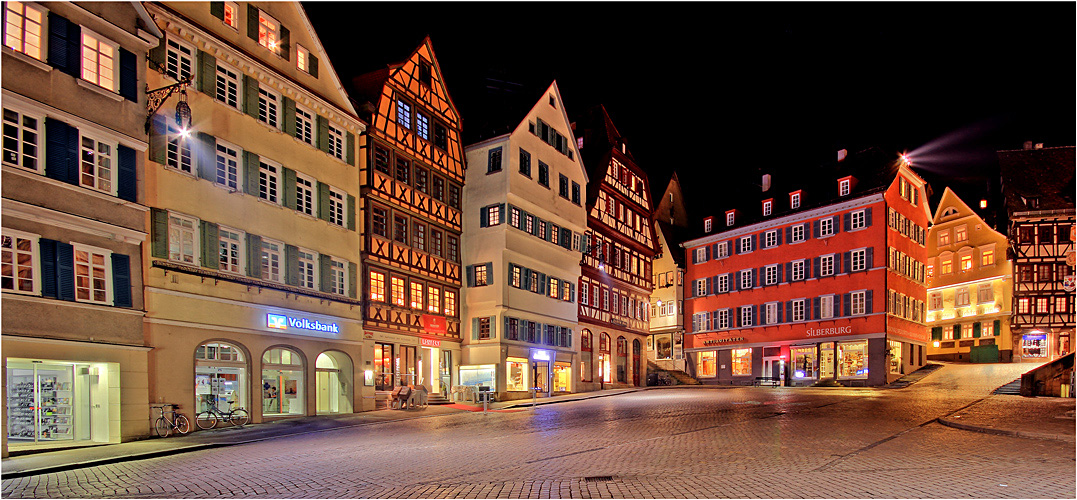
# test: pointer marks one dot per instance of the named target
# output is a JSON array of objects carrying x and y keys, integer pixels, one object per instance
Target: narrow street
[{"x": 663, "y": 443}]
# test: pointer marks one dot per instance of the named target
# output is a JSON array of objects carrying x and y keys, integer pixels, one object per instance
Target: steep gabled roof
[
  {"x": 949, "y": 200},
  {"x": 1046, "y": 174},
  {"x": 367, "y": 88}
]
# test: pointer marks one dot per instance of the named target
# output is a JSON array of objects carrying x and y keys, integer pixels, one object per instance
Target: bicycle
[
  {"x": 208, "y": 419},
  {"x": 164, "y": 426}
]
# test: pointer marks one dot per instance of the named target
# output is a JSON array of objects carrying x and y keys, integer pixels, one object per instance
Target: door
[
  {"x": 773, "y": 367},
  {"x": 445, "y": 372},
  {"x": 541, "y": 372},
  {"x": 636, "y": 355}
]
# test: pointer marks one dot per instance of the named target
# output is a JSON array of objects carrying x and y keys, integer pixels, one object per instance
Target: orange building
[{"x": 821, "y": 278}]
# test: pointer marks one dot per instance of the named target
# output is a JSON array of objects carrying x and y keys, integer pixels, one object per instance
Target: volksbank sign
[{"x": 282, "y": 322}]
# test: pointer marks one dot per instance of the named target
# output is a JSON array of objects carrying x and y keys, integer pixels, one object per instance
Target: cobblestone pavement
[{"x": 675, "y": 443}]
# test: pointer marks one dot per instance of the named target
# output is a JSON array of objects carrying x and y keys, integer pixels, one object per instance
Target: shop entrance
[
  {"x": 540, "y": 371},
  {"x": 773, "y": 364},
  {"x": 57, "y": 402},
  {"x": 334, "y": 372},
  {"x": 445, "y": 373},
  {"x": 282, "y": 383}
]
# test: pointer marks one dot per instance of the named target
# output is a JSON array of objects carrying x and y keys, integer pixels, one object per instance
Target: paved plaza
[{"x": 660, "y": 443}]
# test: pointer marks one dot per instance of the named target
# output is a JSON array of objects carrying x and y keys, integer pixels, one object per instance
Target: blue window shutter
[
  {"x": 867, "y": 302},
  {"x": 493, "y": 327},
  {"x": 837, "y": 308},
  {"x": 47, "y": 248},
  {"x": 128, "y": 75},
  {"x": 474, "y": 328},
  {"x": 349, "y": 143},
  {"x": 847, "y": 303},
  {"x": 780, "y": 311},
  {"x": 121, "y": 280},
  {"x": 127, "y": 186},
  {"x": 789, "y": 310},
  {"x": 483, "y": 218},
  {"x": 65, "y": 45},
  {"x": 846, "y": 262},
  {"x": 65, "y": 271},
  {"x": 815, "y": 228},
  {"x": 847, "y": 219},
  {"x": 869, "y": 258},
  {"x": 834, "y": 224},
  {"x": 867, "y": 217},
  {"x": 815, "y": 308},
  {"x": 755, "y": 314},
  {"x": 807, "y": 231},
  {"x": 816, "y": 267},
  {"x": 788, "y": 233},
  {"x": 470, "y": 271},
  {"x": 780, "y": 274},
  {"x": 755, "y": 242},
  {"x": 61, "y": 154},
  {"x": 788, "y": 271},
  {"x": 707, "y": 251},
  {"x": 708, "y": 287}
]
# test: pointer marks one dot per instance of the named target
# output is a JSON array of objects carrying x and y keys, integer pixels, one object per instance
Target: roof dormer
[
  {"x": 795, "y": 199},
  {"x": 730, "y": 218},
  {"x": 768, "y": 207},
  {"x": 846, "y": 185},
  {"x": 708, "y": 225}
]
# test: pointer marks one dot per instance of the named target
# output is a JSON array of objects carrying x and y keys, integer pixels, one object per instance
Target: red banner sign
[{"x": 434, "y": 324}]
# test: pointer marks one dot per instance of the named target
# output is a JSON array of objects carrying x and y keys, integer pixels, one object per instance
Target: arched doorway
[
  {"x": 282, "y": 383},
  {"x": 622, "y": 360},
  {"x": 220, "y": 377},
  {"x": 604, "y": 358},
  {"x": 334, "y": 372},
  {"x": 586, "y": 361},
  {"x": 637, "y": 351}
]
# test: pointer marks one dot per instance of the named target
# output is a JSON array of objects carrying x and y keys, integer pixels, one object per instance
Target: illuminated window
[
  {"x": 268, "y": 31},
  {"x": 19, "y": 252},
  {"x": 708, "y": 364},
  {"x": 403, "y": 113},
  {"x": 741, "y": 361},
  {"x": 961, "y": 296},
  {"x": 987, "y": 329},
  {"x": 433, "y": 299},
  {"x": 1042, "y": 305},
  {"x": 396, "y": 290},
  {"x": 1023, "y": 305},
  {"x": 484, "y": 334},
  {"x": 947, "y": 266},
  {"x": 766, "y": 208},
  {"x": 99, "y": 60},
  {"x": 961, "y": 234},
  {"x": 182, "y": 239},
  {"x": 23, "y": 28},
  {"x": 966, "y": 262},
  {"x": 566, "y": 291},
  {"x": 92, "y": 274},
  {"x": 481, "y": 275},
  {"x": 1060, "y": 305},
  {"x": 302, "y": 58},
  {"x": 450, "y": 303},
  {"x": 308, "y": 268},
  {"x": 231, "y": 14},
  {"x": 931, "y": 271},
  {"x": 934, "y": 300},
  {"x": 272, "y": 260},
  {"x": 966, "y": 331},
  {"x": 422, "y": 126},
  {"x": 944, "y": 238},
  {"x": 416, "y": 295},
  {"x": 231, "y": 250},
  {"x": 177, "y": 151},
  {"x": 987, "y": 258},
  {"x": 377, "y": 286}
]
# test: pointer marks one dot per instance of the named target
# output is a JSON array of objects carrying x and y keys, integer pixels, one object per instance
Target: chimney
[
  {"x": 841, "y": 154},
  {"x": 1028, "y": 144},
  {"x": 1039, "y": 145},
  {"x": 766, "y": 182}
]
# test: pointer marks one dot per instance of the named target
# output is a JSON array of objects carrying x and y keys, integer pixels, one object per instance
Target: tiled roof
[{"x": 1046, "y": 174}]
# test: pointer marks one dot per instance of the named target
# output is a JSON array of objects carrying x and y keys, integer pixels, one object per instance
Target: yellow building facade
[
  {"x": 969, "y": 284},
  {"x": 250, "y": 273}
]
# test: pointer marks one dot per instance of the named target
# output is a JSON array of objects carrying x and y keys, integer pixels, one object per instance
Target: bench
[{"x": 771, "y": 381}]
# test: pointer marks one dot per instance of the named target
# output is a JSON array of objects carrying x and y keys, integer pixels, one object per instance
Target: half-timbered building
[
  {"x": 411, "y": 193},
  {"x": 1038, "y": 190},
  {"x": 615, "y": 286}
]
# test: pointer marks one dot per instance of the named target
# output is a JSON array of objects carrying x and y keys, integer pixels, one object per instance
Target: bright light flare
[
  {"x": 185, "y": 132},
  {"x": 905, "y": 159}
]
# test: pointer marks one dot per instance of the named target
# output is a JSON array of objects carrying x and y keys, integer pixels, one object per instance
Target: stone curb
[{"x": 1004, "y": 432}]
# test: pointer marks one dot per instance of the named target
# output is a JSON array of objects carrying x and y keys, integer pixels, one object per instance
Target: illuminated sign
[
  {"x": 722, "y": 341},
  {"x": 429, "y": 342},
  {"x": 282, "y": 322},
  {"x": 434, "y": 324},
  {"x": 540, "y": 355},
  {"x": 816, "y": 332}
]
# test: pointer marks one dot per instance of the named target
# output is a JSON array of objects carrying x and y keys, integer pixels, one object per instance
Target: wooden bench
[{"x": 771, "y": 381}]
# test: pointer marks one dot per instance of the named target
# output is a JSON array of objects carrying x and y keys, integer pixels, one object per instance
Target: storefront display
[
  {"x": 708, "y": 364},
  {"x": 804, "y": 361},
  {"x": 853, "y": 359},
  {"x": 282, "y": 383},
  {"x": 663, "y": 346},
  {"x": 479, "y": 375},
  {"x": 741, "y": 361},
  {"x": 895, "y": 356},
  {"x": 516, "y": 374},
  {"x": 826, "y": 360},
  {"x": 220, "y": 377},
  {"x": 1034, "y": 345},
  {"x": 51, "y": 401},
  {"x": 562, "y": 376}
]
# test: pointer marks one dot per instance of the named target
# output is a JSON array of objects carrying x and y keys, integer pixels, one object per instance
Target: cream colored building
[
  {"x": 75, "y": 360},
  {"x": 665, "y": 346},
  {"x": 524, "y": 218},
  {"x": 251, "y": 262},
  {"x": 969, "y": 287}
]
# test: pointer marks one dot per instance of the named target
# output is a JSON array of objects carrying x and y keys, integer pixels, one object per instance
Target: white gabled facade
[{"x": 521, "y": 239}]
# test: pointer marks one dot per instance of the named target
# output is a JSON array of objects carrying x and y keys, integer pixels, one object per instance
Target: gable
[{"x": 556, "y": 117}]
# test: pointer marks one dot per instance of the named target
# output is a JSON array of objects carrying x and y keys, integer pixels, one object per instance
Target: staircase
[
  {"x": 683, "y": 378},
  {"x": 437, "y": 398},
  {"x": 661, "y": 376},
  {"x": 1012, "y": 388}
]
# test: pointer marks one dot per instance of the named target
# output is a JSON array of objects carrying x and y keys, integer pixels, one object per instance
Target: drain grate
[{"x": 597, "y": 479}]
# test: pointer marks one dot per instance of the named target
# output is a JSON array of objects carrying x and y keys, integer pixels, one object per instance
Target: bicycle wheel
[
  {"x": 162, "y": 427},
  {"x": 240, "y": 417},
  {"x": 182, "y": 424},
  {"x": 206, "y": 420}
]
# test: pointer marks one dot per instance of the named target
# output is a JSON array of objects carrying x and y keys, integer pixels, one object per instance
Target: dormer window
[
  {"x": 729, "y": 218},
  {"x": 843, "y": 187},
  {"x": 268, "y": 31},
  {"x": 708, "y": 224},
  {"x": 794, "y": 200},
  {"x": 767, "y": 208}
]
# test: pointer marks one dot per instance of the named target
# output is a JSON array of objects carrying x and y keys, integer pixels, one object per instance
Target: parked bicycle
[
  {"x": 208, "y": 419},
  {"x": 170, "y": 420}
]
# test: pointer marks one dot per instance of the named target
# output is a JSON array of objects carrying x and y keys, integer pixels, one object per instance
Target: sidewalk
[
  {"x": 76, "y": 458},
  {"x": 1018, "y": 416}
]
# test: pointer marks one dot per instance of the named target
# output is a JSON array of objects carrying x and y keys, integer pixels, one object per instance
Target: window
[
  {"x": 304, "y": 126},
  {"x": 267, "y": 181},
  {"x": 268, "y": 107},
  {"x": 336, "y": 207},
  {"x": 745, "y": 244},
  {"x": 794, "y": 200},
  {"x": 543, "y": 174},
  {"x": 96, "y": 165},
  {"x": 403, "y": 113},
  {"x": 987, "y": 258},
  {"x": 417, "y": 293},
  {"x": 418, "y": 232},
  {"x": 177, "y": 151},
  {"x": 336, "y": 142},
  {"x": 1023, "y": 306},
  {"x": 268, "y": 31},
  {"x": 562, "y": 188},
  {"x": 450, "y": 303},
  {"x": 422, "y": 126},
  {"x": 701, "y": 254},
  {"x": 396, "y": 290},
  {"x": 707, "y": 225},
  {"x": 859, "y": 219},
  {"x": 493, "y": 215},
  {"x": 435, "y": 242},
  {"x": 99, "y": 64},
  {"x": 23, "y": 28},
  {"x": 566, "y": 291},
  {"x": 403, "y": 170},
  {"x": 826, "y": 306},
  {"x": 961, "y": 233},
  {"x": 454, "y": 249},
  {"x": 481, "y": 275},
  {"x": 379, "y": 220},
  {"x": 400, "y": 229},
  {"x": 961, "y": 296},
  {"x": 966, "y": 262},
  {"x": 797, "y": 233},
  {"x": 92, "y": 271},
  {"x": 859, "y": 303},
  {"x": 377, "y": 286},
  {"x": 746, "y": 280},
  {"x": 723, "y": 320},
  {"x": 227, "y": 166},
  {"x": 729, "y": 218},
  {"x": 859, "y": 259},
  {"x": 272, "y": 257},
  {"x": 944, "y": 238},
  {"x": 231, "y": 14},
  {"x": 771, "y": 313},
  {"x": 575, "y": 193},
  {"x": 767, "y": 208},
  {"x": 454, "y": 196},
  {"x": 947, "y": 265},
  {"x": 302, "y": 58},
  {"x": 552, "y": 287},
  {"x": 227, "y": 86},
  {"x": 1060, "y": 305},
  {"x": 770, "y": 239},
  {"x": 493, "y": 160},
  {"x": 179, "y": 60},
  {"x": 433, "y": 299},
  {"x": 182, "y": 239},
  {"x": 525, "y": 163},
  {"x": 22, "y": 136},
  {"x": 843, "y": 187},
  {"x": 425, "y": 73},
  {"x": 741, "y": 361},
  {"x": 826, "y": 265},
  {"x": 721, "y": 284},
  {"x": 18, "y": 253},
  {"x": 231, "y": 250},
  {"x": 771, "y": 275},
  {"x": 701, "y": 287},
  {"x": 934, "y": 300},
  {"x": 441, "y": 136},
  {"x": 484, "y": 330},
  {"x": 984, "y": 293},
  {"x": 826, "y": 227},
  {"x": 798, "y": 310},
  {"x": 308, "y": 270},
  {"x": 987, "y": 328},
  {"x": 798, "y": 271},
  {"x": 1042, "y": 305},
  {"x": 304, "y": 194},
  {"x": 723, "y": 250}
]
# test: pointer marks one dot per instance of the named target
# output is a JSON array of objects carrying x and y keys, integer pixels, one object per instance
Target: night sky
[{"x": 719, "y": 90}]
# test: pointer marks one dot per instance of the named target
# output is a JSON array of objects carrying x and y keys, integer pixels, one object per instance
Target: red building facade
[{"x": 815, "y": 282}]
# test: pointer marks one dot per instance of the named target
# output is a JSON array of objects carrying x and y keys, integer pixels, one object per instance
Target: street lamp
[{"x": 156, "y": 98}]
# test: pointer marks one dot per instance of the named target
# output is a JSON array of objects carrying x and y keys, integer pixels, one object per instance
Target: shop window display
[
  {"x": 853, "y": 359},
  {"x": 826, "y": 360},
  {"x": 562, "y": 376},
  {"x": 663, "y": 346},
  {"x": 895, "y": 356},
  {"x": 516, "y": 374},
  {"x": 742, "y": 361},
  {"x": 479, "y": 375},
  {"x": 220, "y": 377},
  {"x": 282, "y": 383},
  {"x": 804, "y": 361},
  {"x": 708, "y": 364}
]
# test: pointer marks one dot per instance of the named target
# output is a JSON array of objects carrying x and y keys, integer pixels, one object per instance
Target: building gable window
[
  {"x": 269, "y": 31},
  {"x": 562, "y": 186},
  {"x": 794, "y": 200},
  {"x": 729, "y": 218},
  {"x": 543, "y": 174},
  {"x": 767, "y": 208},
  {"x": 707, "y": 224},
  {"x": 403, "y": 113},
  {"x": 843, "y": 187},
  {"x": 493, "y": 160},
  {"x": 525, "y": 163}
]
